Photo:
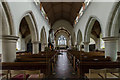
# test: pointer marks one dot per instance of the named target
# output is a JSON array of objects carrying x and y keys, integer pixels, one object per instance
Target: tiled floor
[{"x": 63, "y": 68}]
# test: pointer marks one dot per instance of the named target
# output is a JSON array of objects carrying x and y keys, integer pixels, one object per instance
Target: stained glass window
[{"x": 62, "y": 40}]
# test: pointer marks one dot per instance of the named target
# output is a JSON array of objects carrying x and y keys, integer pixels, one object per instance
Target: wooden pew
[
  {"x": 85, "y": 56},
  {"x": 85, "y": 66},
  {"x": 45, "y": 67},
  {"x": 84, "y": 61},
  {"x": 94, "y": 57},
  {"x": 23, "y": 53},
  {"x": 41, "y": 57},
  {"x": 32, "y": 59},
  {"x": 27, "y": 61}
]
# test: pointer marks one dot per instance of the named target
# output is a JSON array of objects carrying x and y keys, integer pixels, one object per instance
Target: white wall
[
  {"x": 99, "y": 10},
  {"x": 62, "y": 23},
  {"x": 18, "y": 11}
]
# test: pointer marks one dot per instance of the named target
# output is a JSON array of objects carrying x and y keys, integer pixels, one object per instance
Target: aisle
[{"x": 63, "y": 68}]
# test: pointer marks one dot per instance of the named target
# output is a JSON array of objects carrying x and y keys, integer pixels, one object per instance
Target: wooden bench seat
[
  {"x": 75, "y": 56},
  {"x": 85, "y": 66},
  {"x": 109, "y": 76},
  {"x": 43, "y": 66},
  {"x": 95, "y": 73},
  {"x": 33, "y": 59},
  {"x": 40, "y": 55},
  {"x": 116, "y": 74},
  {"x": 100, "y": 73},
  {"x": 84, "y": 61},
  {"x": 23, "y": 75}
]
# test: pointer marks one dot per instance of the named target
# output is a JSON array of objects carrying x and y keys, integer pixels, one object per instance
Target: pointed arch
[
  {"x": 89, "y": 27},
  {"x": 113, "y": 26},
  {"x": 79, "y": 37},
  {"x": 43, "y": 38},
  {"x": 32, "y": 25},
  {"x": 73, "y": 39},
  {"x": 7, "y": 19}
]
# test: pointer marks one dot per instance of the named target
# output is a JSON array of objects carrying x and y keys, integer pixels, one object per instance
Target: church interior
[{"x": 59, "y": 40}]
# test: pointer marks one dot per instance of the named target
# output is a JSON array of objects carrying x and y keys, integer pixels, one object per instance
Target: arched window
[{"x": 62, "y": 40}]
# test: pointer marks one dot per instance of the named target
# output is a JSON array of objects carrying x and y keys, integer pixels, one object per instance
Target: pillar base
[
  {"x": 35, "y": 47},
  {"x": 43, "y": 45},
  {"x": 86, "y": 46},
  {"x": 78, "y": 47}
]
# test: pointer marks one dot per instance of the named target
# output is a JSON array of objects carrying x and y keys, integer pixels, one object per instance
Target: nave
[
  {"x": 63, "y": 65},
  {"x": 63, "y": 68},
  {"x": 59, "y": 40}
]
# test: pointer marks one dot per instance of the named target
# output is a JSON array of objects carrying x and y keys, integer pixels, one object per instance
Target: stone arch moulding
[
  {"x": 59, "y": 34},
  {"x": 43, "y": 36},
  {"x": 113, "y": 24},
  {"x": 79, "y": 37},
  {"x": 9, "y": 18},
  {"x": 73, "y": 39},
  {"x": 32, "y": 25},
  {"x": 89, "y": 27}
]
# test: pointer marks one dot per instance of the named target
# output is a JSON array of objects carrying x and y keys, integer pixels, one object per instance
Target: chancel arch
[{"x": 62, "y": 36}]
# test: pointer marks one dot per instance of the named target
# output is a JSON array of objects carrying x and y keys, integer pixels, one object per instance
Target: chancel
[{"x": 59, "y": 39}]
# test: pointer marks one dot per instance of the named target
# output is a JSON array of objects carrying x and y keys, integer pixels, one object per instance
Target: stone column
[
  {"x": 78, "y": 47},
  {"x": 23, "y": 45},
  {"x": 0, "y": 46},
  {"x": 43, "y": 47},
  {"x": 54, "y": 44},
  {"x": 35, "y": 47},
  {"x": 8, "y": 48},
  {"x": 111, "y": 47},
  {"x": 98, "y": 44},
  {"x": 70, "y": 43},
  {"x": 86, "y": 46}
]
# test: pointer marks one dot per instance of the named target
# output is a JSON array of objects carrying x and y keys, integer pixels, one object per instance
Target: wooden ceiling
[{"x": 62, "y": 10}]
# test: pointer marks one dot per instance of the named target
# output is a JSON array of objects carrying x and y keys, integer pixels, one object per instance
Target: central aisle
[{"x": 63, "y": 69}]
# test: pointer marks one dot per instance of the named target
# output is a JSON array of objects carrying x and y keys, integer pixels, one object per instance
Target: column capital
[
  {"x": 110, "y": 38},
  {"x": 9, "y": 37}
]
